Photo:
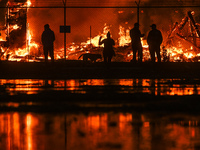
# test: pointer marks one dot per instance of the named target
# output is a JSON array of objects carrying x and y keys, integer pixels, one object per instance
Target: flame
[
  {"x": 15, "y": 27},
  {"x": 175, "y": 53},
  {"x": 21, "y": 53},
  {"x": 124, "y": 38},
  {"x": 28, "y": 3}
]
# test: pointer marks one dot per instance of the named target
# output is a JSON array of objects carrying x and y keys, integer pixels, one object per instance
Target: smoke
[{"x": 81, "y": 19}]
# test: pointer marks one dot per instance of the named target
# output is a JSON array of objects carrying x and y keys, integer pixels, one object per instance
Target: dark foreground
[
  {"x": 109, "y": 97},
  {"x": 79, "y": 70}
]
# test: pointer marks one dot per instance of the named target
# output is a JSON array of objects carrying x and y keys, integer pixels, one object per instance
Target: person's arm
[
  {"x": 148, "y": 38},
  {"x": 54, "y": 37},
  {"x": 141, "y": 35},
  {"x": 100, "y": 42},
  {"x": 42, "y": 38},
  {"x": 113, "y": 42},
  {"x": 161, "y": 38}
]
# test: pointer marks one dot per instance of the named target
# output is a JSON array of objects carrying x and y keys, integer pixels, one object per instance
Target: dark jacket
[
  {"x": 108, "y": 47},
  {"x": 154, "y": 37},
  {"x": 135, "y": 35},
  {"x": 48, "y": 37}
]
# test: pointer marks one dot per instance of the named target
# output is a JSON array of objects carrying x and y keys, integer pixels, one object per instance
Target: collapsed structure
[
  {"x": 185, "y": 36},
  {"x": 15, "y": 27}
]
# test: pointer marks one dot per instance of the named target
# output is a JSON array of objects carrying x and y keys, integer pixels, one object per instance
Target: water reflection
[
  {"x": 151, "y": 86},
  {"x": 105, "y": 130}
]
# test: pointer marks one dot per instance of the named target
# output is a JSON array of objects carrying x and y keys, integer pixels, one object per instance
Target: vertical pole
[
  {"x": 138, "y": 11},
  {"x": 65, "y": 124},
  {"x": 64, "y": 2},
  {"x": 7, "y": 23},
  {"x": 138, "y": 14},
  {"x": 27, "y": 39},
  {"x": 27, "y": 33},
  {"x": 90, "y": 37}
]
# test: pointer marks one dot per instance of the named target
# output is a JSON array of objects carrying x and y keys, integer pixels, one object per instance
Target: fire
[
  {"x": 15, "y": 27},
  {"x": 124, "y": 38},
  {"x": 22, "y": 53},
  {"x": 123, "y": 47},
  {"x": 28, "y": 3}
]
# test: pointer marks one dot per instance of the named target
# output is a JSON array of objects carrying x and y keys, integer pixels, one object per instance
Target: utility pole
[
  {"x": 64, "y": 3},
  {"x": 138, "y": 10}
]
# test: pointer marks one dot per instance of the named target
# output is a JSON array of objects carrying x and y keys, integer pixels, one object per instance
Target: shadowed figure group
[{"x": 154, "y": 40}]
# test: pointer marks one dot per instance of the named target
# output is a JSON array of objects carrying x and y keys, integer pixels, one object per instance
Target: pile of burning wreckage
[{"x": 181, "y": 45}]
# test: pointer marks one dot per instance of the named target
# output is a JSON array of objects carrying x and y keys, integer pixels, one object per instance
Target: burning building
[
  {"x": 16, "y": 23},
  {"x": 15, "y": 44}
]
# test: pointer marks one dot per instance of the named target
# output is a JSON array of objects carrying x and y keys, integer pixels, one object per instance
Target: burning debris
[{"x": 184, "y": 43}]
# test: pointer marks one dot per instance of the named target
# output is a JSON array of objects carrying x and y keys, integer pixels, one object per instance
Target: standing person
[
  {"x": 154, "y": 40},
  {"x": 135, "y": 35},
  {"x": 48, "y": 38},
  {"x": 108, "y": 51}
]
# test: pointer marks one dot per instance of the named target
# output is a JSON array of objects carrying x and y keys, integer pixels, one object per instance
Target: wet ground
[
  {"x": 87, "y": 86},
  {"x": 111, "y": 130},
  {"x": 125, "y": 107},
  {"x": 100, "y": 114}
]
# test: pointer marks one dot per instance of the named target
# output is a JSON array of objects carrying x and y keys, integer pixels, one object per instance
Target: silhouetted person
[
  {"x": 48, "y": 38},
  {"x": 154, "y": 40},
  {"x": 108, "y": 51},
  {"x": 135, "y": 35}
]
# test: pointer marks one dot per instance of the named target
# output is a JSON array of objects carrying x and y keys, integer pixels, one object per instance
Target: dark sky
[{"x": 115, "y": 2}]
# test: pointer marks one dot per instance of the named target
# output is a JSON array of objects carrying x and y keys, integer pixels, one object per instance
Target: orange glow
[
  {"x": 9, "y": 131},
  {"x": 123, "y": 120},
  {"x": 193, "y": 132},
  {"x": 28, "y": 130},
  {"x": 16, "y": 128},
  {"x": 146, "y": 124},
  {"x": 94, "y": 122},
  {"x": 120, "y": 12},
  {"x": 71, "y": 84},
  {"x": 125, "y": 117}
]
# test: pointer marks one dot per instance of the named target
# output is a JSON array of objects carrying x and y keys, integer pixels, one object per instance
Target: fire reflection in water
[
  {"x": 105, "y": 130},
  {"x": 84, "y": 86}
]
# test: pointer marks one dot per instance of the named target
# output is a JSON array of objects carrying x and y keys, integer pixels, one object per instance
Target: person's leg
[
  {"x": 105, "y": 58},
  {"x": 140, "y": 55},
  {"x": 51, "y": 51},
  {"x": 152, "y": 53},
  {"x": 109, "y": 60},
  {"x": 45, "y": 54},
  {"x": 158, "y": 53},
  {"x": 134, "y": 55}
]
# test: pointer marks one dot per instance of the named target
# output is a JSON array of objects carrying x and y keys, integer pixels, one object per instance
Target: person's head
[
  {"x": 46, "y": 26},
  {"x": 136, "y": 25},
  {"x": 108, "y": 34},
  {"x": 153, "y": 26}
]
